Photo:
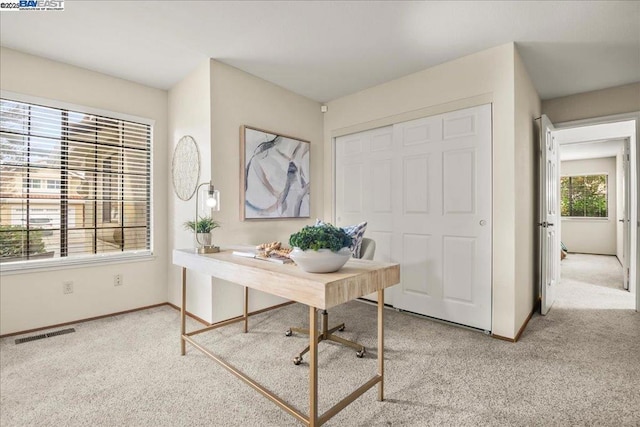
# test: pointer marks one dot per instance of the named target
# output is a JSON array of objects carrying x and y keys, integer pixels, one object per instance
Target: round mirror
[{"x": 185, "y": 168}]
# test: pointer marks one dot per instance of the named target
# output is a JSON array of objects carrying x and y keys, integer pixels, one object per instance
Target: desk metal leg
[
  {"x": 246, "y": 309},
  {"x": 381, "y": 344},
  {"x": 183, "y": 310},
  {"x": 313, "y": 367},
  {"x": 314, "y": 419}
]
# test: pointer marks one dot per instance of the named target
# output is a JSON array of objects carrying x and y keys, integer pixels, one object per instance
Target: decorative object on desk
[
  {"x": 274, "y": 252},
  {"x": 281, "y": 256},
  {"x": 203, "y": 228},
  {"x": 273, "y": 248},
  {"x": 278, "y": 259},
  {"x": 203, "y": 223},
  {"x": 275, "y": 179},
  {"x": 356, "y": 232},
  {"x": 185, "y": 168},
  {"x": 320, "y": 249}
]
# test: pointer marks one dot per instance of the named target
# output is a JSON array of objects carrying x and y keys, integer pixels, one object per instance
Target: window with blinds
[
  {"x": 72, "y": 184},
  {"x": 584, "y": 196}
]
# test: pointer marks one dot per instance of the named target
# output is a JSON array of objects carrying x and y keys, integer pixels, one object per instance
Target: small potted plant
[
  {"x": 203, "y": 228},
  {"x": 320, "y": 249}
]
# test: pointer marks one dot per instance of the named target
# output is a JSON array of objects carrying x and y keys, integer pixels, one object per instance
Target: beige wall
[
  {"x": 599, "y": 103},
  {"x": 35, "y": 299},
  {"x": 215, "y": 100},
  {"x": 238, "y": 98},
  {"x": 527, "y": 109},
  {"x": 592, "y": 236},
  {"x": 484, "y": 77},
  {"x": 189, "y": 114}
]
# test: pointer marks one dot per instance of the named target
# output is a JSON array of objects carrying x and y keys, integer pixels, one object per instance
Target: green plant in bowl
[
  {"x": 320, "y": 249},
  {"x": 320, "y": 237}
]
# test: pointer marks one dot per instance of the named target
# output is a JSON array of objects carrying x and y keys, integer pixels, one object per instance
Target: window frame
[
  {"x": 586, "y": 218},
  {"x": 89, "y": 259}
]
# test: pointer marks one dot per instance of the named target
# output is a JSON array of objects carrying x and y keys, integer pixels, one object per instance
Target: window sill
[
  {"x": 584, "y": 218},
  {"x": 23, "y": 267}
]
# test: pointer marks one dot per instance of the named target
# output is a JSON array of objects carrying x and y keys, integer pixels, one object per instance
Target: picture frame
[{"x": 275, "y": 179}]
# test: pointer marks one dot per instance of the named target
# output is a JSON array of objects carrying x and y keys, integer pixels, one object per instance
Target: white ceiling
[
  {"x": 594, "y": 141},
  {"x": 328, "y": 49},
  {"x": 591, "y": 150}
]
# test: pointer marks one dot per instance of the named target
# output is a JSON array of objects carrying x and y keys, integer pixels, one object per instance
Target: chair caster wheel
[
  {"x": 341, "y": 329},
  {"x": 361, "y": 353},
  {"x": 297, "y": 360},
  {"x": 288, "y": 333}
]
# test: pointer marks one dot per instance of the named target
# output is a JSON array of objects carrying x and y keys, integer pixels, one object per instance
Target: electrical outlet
[
  {"x": 67, "y": 287},
  {"x": 117, "y": 280}
]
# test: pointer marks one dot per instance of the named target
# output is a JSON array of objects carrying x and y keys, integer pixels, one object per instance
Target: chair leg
[
  {"x": 299, "y": 330},
  {"x": 298, "y": 359},
  {"x": 358, "y": 347},
  {"x": 326, "y": 334}
]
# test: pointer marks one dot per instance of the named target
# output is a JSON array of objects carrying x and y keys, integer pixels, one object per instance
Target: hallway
[{"x": 592, "y": 282}]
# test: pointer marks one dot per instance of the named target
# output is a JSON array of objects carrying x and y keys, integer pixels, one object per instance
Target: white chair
[
  {"x": 367, "y": 251},
  {"x": 368, "y": 248}
]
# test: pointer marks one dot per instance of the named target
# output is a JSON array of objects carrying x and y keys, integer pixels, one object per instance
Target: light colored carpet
[
  {"x": 593, "y": 281},
  {"x": 576, "y": 366}
]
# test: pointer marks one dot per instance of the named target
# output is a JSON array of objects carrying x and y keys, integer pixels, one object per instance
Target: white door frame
[{"x": 634, "y": 275}]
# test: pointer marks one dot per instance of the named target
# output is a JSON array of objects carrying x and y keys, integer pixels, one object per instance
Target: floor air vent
[{"x": 47, "y": 335}]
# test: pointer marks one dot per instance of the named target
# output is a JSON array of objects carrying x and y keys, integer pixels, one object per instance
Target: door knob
[{"x": 482, "y": 222}]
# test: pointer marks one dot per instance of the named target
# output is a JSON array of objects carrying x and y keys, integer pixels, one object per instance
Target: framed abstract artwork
[{"x": 274, "y": 175}]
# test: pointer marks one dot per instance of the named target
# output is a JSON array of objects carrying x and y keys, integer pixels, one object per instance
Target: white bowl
[{"x": 320, "y": 261}]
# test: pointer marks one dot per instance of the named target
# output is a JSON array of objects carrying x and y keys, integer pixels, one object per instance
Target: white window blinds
[{"x": 72, "y": 184}]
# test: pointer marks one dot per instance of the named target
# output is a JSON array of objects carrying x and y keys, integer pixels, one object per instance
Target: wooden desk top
[{"x": 357, "y": 278}]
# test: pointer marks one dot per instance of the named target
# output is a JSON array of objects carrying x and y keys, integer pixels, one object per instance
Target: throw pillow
[{"x": 356, "y": 232}]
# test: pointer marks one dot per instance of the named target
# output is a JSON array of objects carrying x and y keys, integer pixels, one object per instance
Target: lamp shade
[{"x": 210, "y": 200}]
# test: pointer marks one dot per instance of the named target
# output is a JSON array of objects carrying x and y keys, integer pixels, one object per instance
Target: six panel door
[{"x": 424, "y": 187}]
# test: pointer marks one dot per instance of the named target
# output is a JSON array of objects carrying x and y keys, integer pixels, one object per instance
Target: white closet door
[
  {"x": 365, "y": 183},
  {"x": 445, "y": 217},
  {"x": 425, "y": 188}
]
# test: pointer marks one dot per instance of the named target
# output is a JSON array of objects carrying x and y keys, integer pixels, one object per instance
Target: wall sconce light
[{"x": 210, "y": 202}]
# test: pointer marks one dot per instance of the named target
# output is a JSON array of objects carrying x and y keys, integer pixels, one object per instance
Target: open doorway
[{"x": 598, "y": 195}]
